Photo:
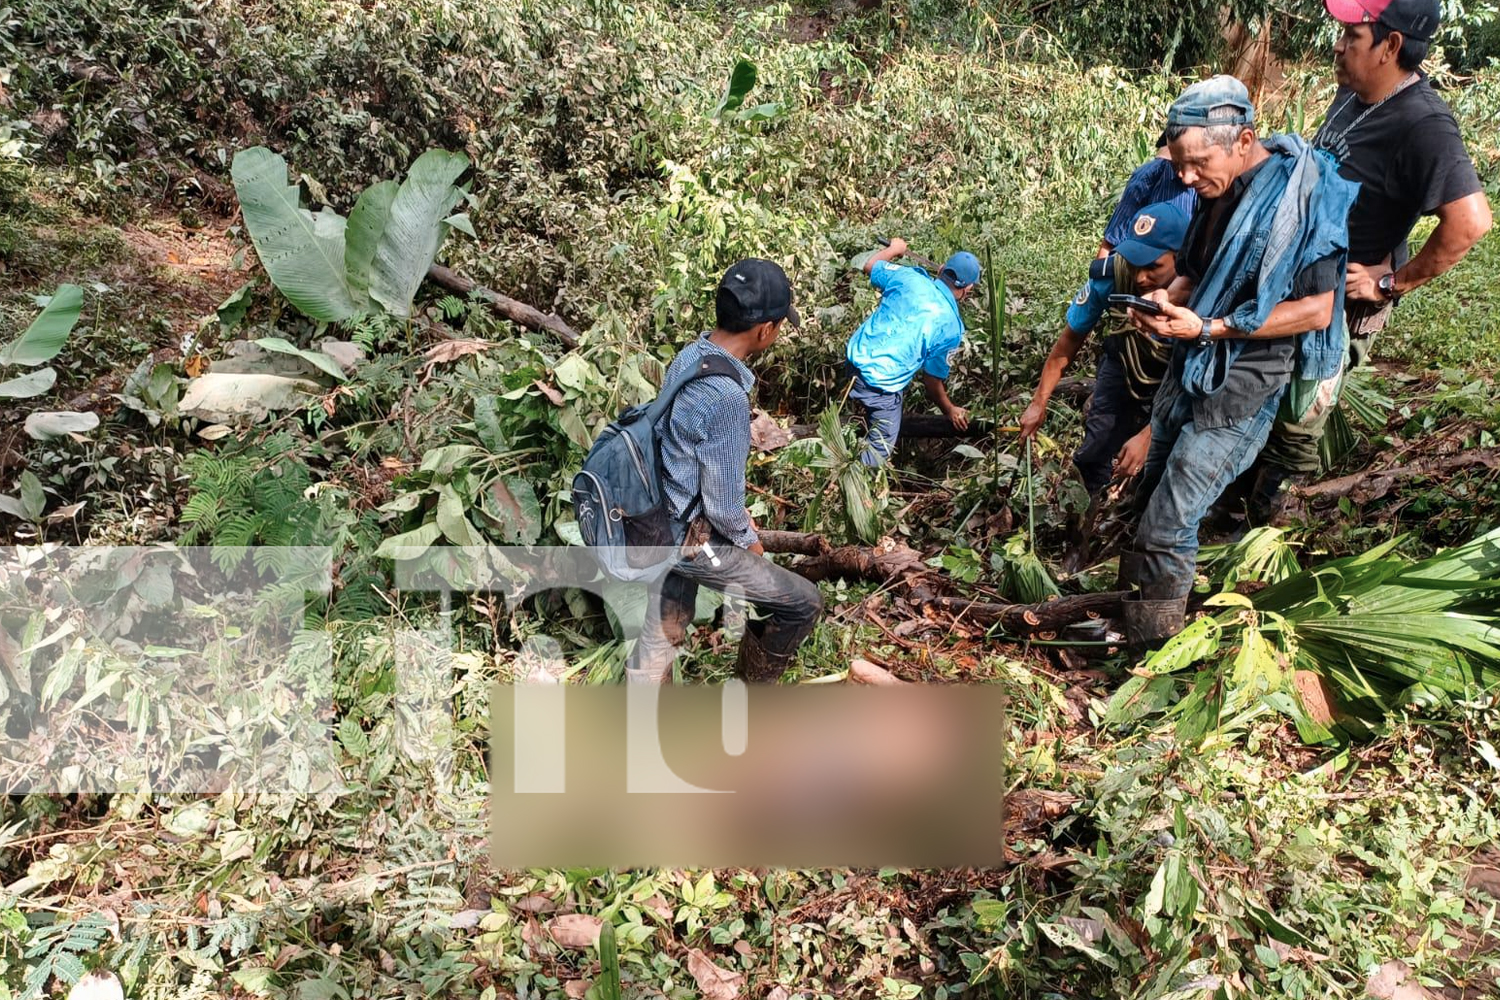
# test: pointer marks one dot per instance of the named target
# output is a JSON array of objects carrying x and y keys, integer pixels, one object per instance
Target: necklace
[{"x": 1328, "y": 139}]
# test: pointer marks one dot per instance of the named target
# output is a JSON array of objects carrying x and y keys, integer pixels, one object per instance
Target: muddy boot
[
  {"x": 1130, "y": 570},
  {"x": 1148, "y": 624},
  {"x": 758, "y": 665},
  {"x": 1269, "y": 497}
]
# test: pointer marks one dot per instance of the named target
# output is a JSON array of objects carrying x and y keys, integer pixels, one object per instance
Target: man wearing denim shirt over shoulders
[
  {"x": 1259, "y": 297},
  {"x": 915, "y": 328}
]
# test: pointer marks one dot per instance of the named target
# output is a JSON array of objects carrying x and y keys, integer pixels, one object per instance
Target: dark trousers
[
  {"x": 790, "y": 604},
  {"x": 1114, "y": 416}
]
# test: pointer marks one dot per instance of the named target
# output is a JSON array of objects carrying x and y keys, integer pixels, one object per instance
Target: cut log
[
  {"x": 799, "y": 543},
  {"x": 1372, "y": 484},
  {"x": 517, "y": 312},
  {"x": 1026, "y": 619}
]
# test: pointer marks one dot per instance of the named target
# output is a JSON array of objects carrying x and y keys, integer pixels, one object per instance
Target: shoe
[
  {"x": 757, "y": 665},
  {"x": 1148, "y": 624}
]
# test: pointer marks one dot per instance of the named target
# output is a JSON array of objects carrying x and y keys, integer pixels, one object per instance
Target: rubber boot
[
  {"x": 1130, "y": 570},
  {"x": 1148, "y": 624},
  {"x": 1269, "y": 497},
  {"x": 758, "y": 665}
]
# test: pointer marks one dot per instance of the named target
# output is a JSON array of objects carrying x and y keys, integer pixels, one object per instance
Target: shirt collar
[{"x": 747, "y": 377}]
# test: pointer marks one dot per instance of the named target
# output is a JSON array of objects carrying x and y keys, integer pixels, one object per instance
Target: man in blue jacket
[
  {"x": 916, "y": 328},
  {"x": 1258, "y": 298}
]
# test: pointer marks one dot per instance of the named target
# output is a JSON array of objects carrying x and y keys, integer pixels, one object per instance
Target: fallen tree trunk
[
  {"x": 798, "y": 543},
  {"x": 1372, "y": 484},
  {"x": 1049, "y": 616},
  {"x": 516, "y": 311},
  {"x": 857, "y": 562}
]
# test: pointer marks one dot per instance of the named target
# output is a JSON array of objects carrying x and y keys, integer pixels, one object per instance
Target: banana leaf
[{"x": 302, "y": 252}]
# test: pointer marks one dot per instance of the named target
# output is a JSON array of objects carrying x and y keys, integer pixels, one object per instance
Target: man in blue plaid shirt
[{"x": 705, "y": 445}]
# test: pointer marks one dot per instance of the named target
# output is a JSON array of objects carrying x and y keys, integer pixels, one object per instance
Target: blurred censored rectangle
[
  {"x": 165, "y": 669},
  {"x": 746, "y": 776}
]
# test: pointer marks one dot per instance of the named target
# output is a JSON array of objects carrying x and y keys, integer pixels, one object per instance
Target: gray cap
[{"x": 1197, "y": 101}]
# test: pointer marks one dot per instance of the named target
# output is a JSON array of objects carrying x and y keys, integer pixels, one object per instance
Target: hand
[
  {"x": 898, "y": 246},
  {"x": 757, "y": 549},
  {"x": 1176, "y": 322},
  {"x": 1132, "y": 456},
  {"x": 1031, "y": 420},
  {"x": 1362, "y": 284},
  {"x": 959, "y": 417}
]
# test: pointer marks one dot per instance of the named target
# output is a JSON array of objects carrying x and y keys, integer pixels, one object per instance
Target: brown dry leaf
[
  {"x": 531, "y": 934},
  {"x": 452, "y": 350},
  {"x": 779, "y": 992},
  {"x": 535, "y": 903},
  {"x": 865, "y": 672},
  {"x": 577, "y": 988},
  {"x": 659, "y": 906},
  {"x": 743, "y": 947},
  {"x": 575, "y": 930},
  {"x": 195, "y": 365},
  {"x": 714, "y": 983},
  {"x": 766, "y": 434},
  {"x": 1393, "y": 982},
  {"x": 552, "y": 394},
  {"x": 1316, "y": 696},
  {"x": 394, "y": 464}
]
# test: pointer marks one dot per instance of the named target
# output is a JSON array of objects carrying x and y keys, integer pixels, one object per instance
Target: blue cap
[
  {"x": 963, "y": 268},
  {"x": 1197, "y": 101},
  {"x": 1155, "y": 230}
]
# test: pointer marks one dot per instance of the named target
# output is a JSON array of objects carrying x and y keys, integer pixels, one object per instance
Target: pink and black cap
[{"x": 1416, "y": 19}]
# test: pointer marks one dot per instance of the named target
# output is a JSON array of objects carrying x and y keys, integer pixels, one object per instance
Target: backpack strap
[{"x": 708, "y": 366}]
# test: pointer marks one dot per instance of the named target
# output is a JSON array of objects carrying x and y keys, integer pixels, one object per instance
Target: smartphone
[{"x": 1135, "y": 302}]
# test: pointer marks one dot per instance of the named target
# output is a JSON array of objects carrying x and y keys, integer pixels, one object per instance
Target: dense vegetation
[{"x": 1187, "y": 831}]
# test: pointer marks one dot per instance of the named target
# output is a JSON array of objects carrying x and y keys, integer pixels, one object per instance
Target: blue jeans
[
  {"x": 881, "y": 418},
  {"x": 790, "y": 603},
  {"x": 1186, "y": 471},
  {"x": 1114, "y": 417}
]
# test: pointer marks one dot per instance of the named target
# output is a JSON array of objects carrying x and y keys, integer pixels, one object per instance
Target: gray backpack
[{"x": 619, "y": 496}]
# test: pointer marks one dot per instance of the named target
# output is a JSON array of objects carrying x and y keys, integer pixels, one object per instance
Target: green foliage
[
  {"x": 332, "y": 270},
  {"x": 1386, "y": 632},
  {"x": 41, "y": 342}
]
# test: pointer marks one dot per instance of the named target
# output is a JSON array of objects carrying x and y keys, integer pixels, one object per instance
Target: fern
[{"x": 61, "y": 948}]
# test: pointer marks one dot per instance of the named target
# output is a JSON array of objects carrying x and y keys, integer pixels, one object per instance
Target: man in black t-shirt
[{"x": 1393, "y": 134}]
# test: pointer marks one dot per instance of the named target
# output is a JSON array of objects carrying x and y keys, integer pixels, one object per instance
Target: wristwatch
[
  {"x": 1205, "y": 336},
  {"x": 1387, "y": 284}
]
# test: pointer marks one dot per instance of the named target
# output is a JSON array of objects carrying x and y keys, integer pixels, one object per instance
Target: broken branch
[
  {"x": 1372, "y": 484},
  {"x": 516, "y": 311},
  {"x": 1049, "y": 616}
]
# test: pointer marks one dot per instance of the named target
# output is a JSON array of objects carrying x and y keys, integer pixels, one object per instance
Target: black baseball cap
[
  {"x": 755, "y": 291},
  {"x": 1416, "y": 19}
]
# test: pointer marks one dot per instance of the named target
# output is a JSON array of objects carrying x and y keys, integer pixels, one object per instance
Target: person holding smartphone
[
  {"x": 1258, "y": 301},
  {"x": 1117, "y": 423}
]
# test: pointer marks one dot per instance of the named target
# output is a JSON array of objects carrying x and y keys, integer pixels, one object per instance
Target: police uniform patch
[
  {"x": 1144, "y": 224},
  {"x": 1083, "y": 296}
]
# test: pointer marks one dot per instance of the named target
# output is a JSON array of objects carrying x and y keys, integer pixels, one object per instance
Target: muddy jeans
[
  {"x": 1186, "y": 470},
  {"x": 1295, "y": 438},
  {"x": 789, "y": 603}
]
